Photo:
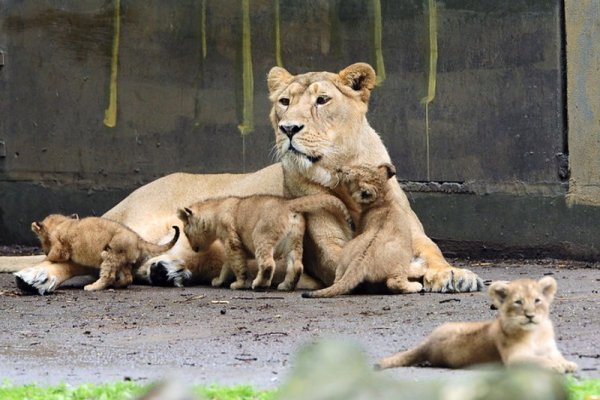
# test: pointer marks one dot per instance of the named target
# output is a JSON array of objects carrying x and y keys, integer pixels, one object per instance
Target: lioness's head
[
  {"x": 366, "y": 183},
  {"x": 198, "y": 225},
  {"x": 318, "y": 117},
  {"x": 523, "y": 304}
]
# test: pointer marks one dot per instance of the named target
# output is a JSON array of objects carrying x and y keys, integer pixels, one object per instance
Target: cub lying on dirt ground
[
  {"x": 382, "y": 250},
  {"x": 265, "y": 226},
  {"x": 522, "y": 333},
  {"x": 97, "y": 242}
]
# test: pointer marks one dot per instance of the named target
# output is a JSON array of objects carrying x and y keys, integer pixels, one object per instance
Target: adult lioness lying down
[{"x": 320, "y": 124}]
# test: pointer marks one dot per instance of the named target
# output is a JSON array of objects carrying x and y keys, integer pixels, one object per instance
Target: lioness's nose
[{"x": 290, "y": 129}]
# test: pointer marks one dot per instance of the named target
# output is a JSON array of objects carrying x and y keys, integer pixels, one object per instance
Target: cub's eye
[
  {"x": 323, "y": 100},
  {"x": 284, "y": 101},
  {"x": 518, "y": 302}
]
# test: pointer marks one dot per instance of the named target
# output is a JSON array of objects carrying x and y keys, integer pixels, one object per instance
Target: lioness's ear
[
  {"x": 277, "y": 77},
  {"x": 360, "y": 77},
  {"x": 548, "y": 287},
  {"x": 498, "y": 291},
  {"x": 389, "y": 169},
  {"x": 184, "y": 214}
]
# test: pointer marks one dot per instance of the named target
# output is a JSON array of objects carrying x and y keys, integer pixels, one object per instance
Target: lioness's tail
[
  {"x": 349, "y": 281},
  {"x": 317, "y": 202},
  {"x": 17, "y": 263},
  {"x": 152, "y": 249}
]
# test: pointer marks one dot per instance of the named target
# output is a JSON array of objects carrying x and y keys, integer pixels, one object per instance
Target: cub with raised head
[
  {"x": 264, "y": 226},
  {"x": 522, "y": 333},
  {"x": 382, "y": 250},
  {"x": 99, "y": 243}
]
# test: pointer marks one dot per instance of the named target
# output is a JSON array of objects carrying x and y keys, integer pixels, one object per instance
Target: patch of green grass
[
  {"x": 113, "y": 391},
  {"x": 588, "y": 389},
  {"x": 122, "y": 391}
]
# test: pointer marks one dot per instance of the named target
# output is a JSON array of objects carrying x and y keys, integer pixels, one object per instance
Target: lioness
[
  {"x": 522, "y": 333},
  {"x": 97, "y": 242},
  {"x": 320, "y": 124},
  {"x": 263, "y": 226},
  {"x": 382, "y": 249}
]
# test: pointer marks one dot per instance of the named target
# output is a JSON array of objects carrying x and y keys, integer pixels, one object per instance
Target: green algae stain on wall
[
  {"x": 110, "y": 115},
  {"x": 247, "y": 125}
]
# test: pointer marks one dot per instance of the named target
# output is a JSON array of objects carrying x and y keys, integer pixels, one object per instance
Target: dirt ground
[{"x": 207, "y": 335}]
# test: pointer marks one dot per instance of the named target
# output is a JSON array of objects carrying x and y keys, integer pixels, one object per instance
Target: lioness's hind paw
[
  {"x": 35, "y": 281},
  {"x": 166, "y": 274}
]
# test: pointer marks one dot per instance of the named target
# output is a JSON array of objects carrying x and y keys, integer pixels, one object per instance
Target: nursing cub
[
  {"x": 97, "y": 242},
  {"x": 522, "y": 333},
  {"x": 382, "y": 250},
  {"x": 261, "y": 226}
]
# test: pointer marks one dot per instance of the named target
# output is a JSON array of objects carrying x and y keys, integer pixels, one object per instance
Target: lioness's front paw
[
  {"x": 452, "y": 280},
  {"x": 35, "y": 280},
  {"x": 163, "y": 273}
]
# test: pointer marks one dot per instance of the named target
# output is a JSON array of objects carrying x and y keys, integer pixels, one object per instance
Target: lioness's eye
[
  {"x": 518, "y": 302},
  {"x": 323, "y": 100},
  {"x": 538, "y": 300},
  {"x": 284, "y": 101}
]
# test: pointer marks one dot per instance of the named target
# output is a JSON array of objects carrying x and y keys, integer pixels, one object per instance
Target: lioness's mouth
[{"x": 312, "y": 159}]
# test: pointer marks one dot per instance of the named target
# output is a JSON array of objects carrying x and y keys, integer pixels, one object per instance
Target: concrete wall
[{"x": 482, "y": 118}]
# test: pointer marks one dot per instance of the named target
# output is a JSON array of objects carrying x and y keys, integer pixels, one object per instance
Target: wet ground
[{"x": 207, "y": 335}]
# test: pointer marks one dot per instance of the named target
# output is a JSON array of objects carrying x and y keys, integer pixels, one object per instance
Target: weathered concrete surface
[
  {"x": 206, "y": 335},
  {"x": 583, "y": 99}
]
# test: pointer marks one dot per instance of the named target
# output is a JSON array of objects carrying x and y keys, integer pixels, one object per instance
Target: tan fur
[
  {"x": 96, "y": 242},
  {"x": 265, "y": 227},
  {"x": 382, "y": 249},
  {"x": 522, "y": 333},
  {"x": 331, "y": 108}
]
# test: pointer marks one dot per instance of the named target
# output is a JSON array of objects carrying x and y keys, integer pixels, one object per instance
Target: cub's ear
[
  {"x": 360, "y": 77},
  {"x": 37, "y": 227},
  {"x": 184, "y": 214},
  {"x": 548, "y": 287},
  {"x": 74, "y": 216},
  {"x": 498, "y": 291},
  {"x": 278, "y": 77},
  {"x": 389, "y": 169}
]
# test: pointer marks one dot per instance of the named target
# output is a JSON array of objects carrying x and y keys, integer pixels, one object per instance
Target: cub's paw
[
  {"x": 285, "y": 286},
  {"x": 217, "y": 282},
  {"x": 169, "y": 273},
  {"x": 237, "y": 285},
  {"x": 452, "y": 280},
  {"x": 35, "y": 281},
  {"x": 564, "y": 366}
]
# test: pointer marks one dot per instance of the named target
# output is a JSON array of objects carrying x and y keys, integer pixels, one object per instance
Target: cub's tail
[
  {"x": 317, "y": 202},
  {"x": 155, "y": 249},
  {"x": 350, "y": 280}
]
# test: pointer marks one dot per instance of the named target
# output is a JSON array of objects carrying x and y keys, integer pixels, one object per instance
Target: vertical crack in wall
[{"x": 110, "y": 115}]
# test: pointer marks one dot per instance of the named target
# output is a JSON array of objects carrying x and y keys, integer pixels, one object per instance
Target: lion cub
[
  {"x": 97, "y": 242},
  {"x": 522, "y": 333},
  {"x": 381, "y": 251},
  {"x": 264, "y": 226}
]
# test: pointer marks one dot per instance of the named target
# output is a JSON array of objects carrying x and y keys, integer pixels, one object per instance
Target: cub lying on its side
[
  {"x": 97, "y": 242},
  {"x": 522, "y": 333},
  {"x": 382, "y": 250},
  {"x": 266, "y": 226}
]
